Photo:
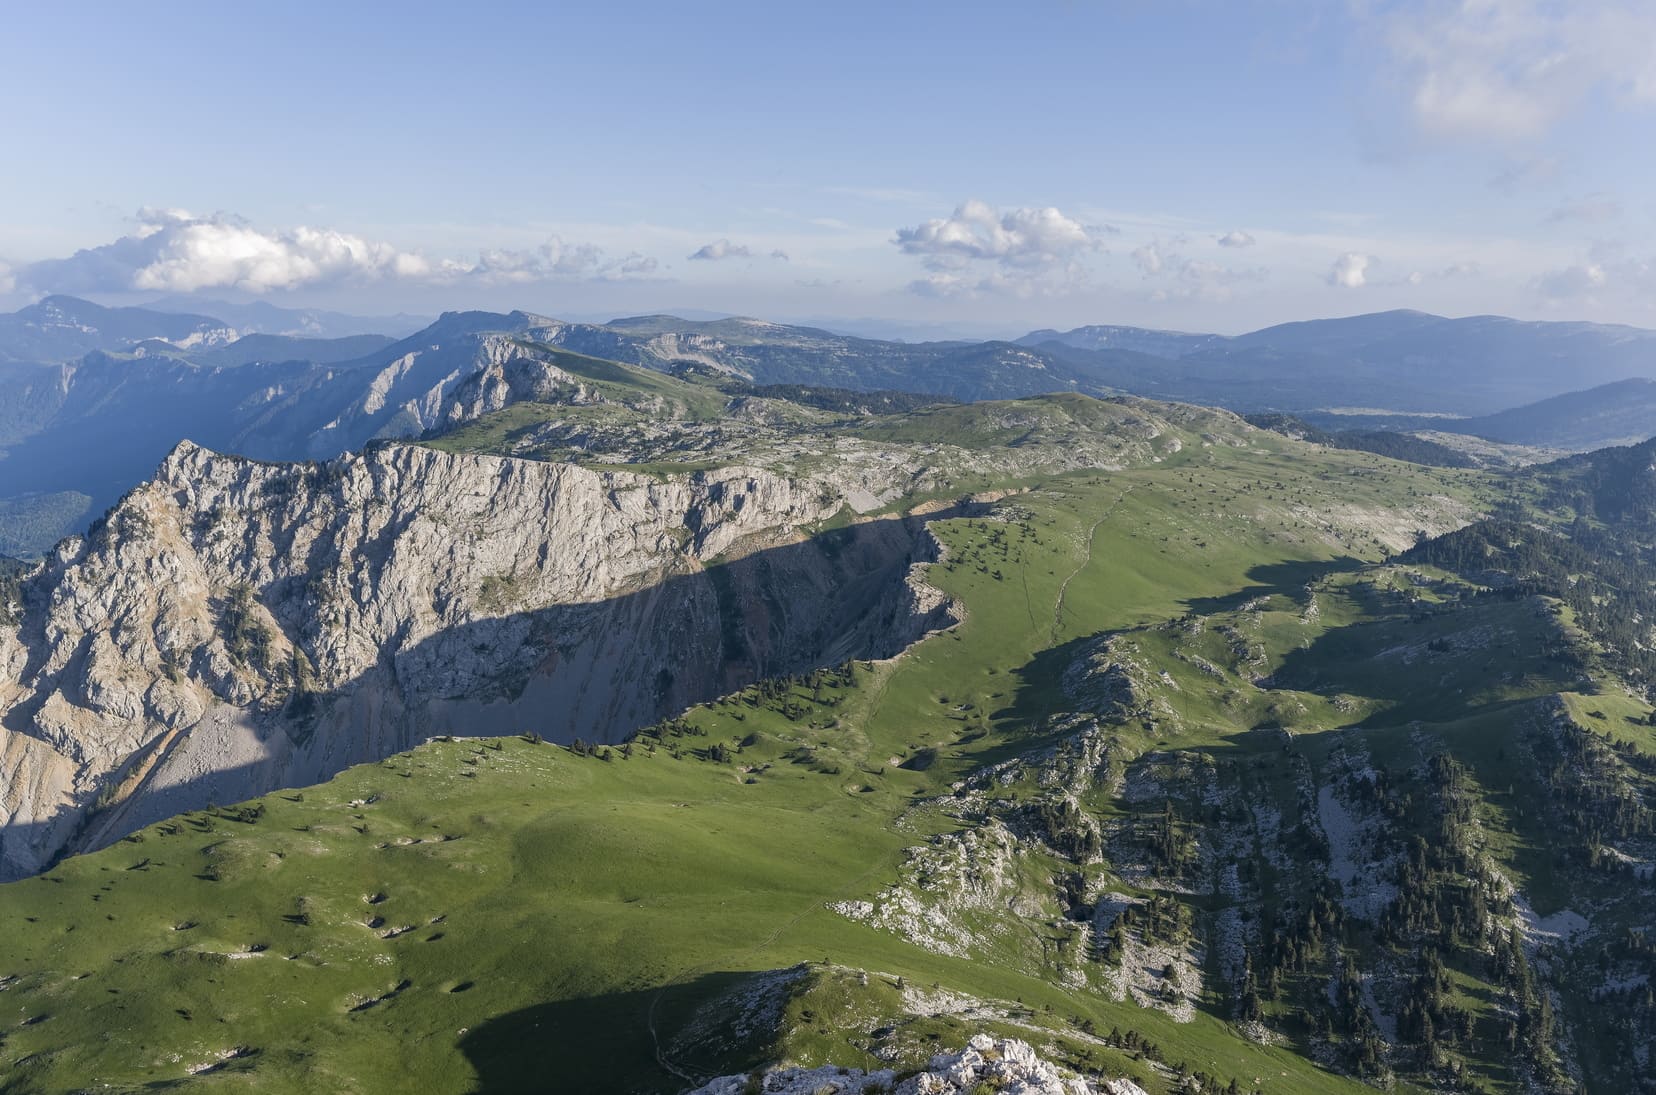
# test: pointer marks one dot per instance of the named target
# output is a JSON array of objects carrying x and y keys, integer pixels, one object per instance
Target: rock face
[
  {"x": 236, "y": 626},
  {"x": 1007, "y": 1066}
]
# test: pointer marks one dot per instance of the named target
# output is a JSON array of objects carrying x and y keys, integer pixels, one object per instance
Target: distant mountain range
[
  {"x": 1622, "y": 412},
  {"x": 1400, "y": 362},
  {"x": 62, "y": 328},
  {"x": 92, "y": 397},
  {"x": 1396, "y": 361},
  {"x": 1619, "y": 413},
  {"x": 263, "y": 317}
]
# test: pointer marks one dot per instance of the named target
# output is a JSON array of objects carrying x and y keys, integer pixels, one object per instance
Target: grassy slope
[{"x": 578, "y": 888}]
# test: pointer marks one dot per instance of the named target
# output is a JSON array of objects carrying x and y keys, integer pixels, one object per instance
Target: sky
[{"x": 901, "y": 168}]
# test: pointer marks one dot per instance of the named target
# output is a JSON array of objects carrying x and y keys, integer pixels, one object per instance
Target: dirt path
[{"x": 1086, "y": 561}]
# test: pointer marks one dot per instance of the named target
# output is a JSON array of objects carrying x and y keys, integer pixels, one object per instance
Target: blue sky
[{"x": 973, "y": 167}]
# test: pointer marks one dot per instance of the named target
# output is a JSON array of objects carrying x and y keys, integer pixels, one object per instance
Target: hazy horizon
[{"x": 897, "y": 329}]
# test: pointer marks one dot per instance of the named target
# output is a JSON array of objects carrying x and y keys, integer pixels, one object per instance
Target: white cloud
[
  {"x": 941, "y": 285},
  {"x": 779, "y": 255},
  {"x": 1236, "y": 239},
  {"x": 1024, "y": 238},
  {"x": 553, "y": 260},
  {"x": 721, "y": 249},
  {"x": 1512, "y": 69},
  {"x": 1212, "y": 275},
  {"x": 1453, "y": 270},
  {"x": 1572, "y": 283},
  {"x": 1150, "y": 260},
  {"x": 1183, "y": 278},
  {"x": 1024, "y": 251},
  {"x": 1350, "y": 270},
  {"x": 182, "y": 253},
  {"x": 7, "y": 281},
  {"x": 173, "y": 250},
  {"x": 1606, "y": 272},
  {"x": 636, "y": 264}
]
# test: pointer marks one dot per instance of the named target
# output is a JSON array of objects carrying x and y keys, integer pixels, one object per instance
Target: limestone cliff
[{"x": 235, "y": 626}]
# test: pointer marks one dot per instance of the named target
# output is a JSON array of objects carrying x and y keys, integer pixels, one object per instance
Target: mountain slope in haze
[
  {"x": 280, "y": 348},
  {"x": 1169, "y": 344},
  {"x": 1398, "y": 361},
  {"x": 771, "y": 353},
  {"x": 263, "y": 317},
  {"x": 62, "y": 328},
  {"x": 1619, "y": 413}
]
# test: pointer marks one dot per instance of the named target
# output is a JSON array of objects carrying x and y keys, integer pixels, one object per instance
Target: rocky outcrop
[
  {"x": 235, "y": 626},
  {"x": 452, "y": 380},
  {"x": 1005, "y": 1065}
]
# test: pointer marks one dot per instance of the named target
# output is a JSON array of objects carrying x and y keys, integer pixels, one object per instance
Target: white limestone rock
[{"x": 1008, "y": 1066}]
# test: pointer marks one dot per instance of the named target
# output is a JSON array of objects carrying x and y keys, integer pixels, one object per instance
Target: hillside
[
  {"x": 1235, "y": 760},
  {"x": 665, "y": 725},
  {"x": 1117, "y": 627},
  {"x": 1621, "y": 413}
]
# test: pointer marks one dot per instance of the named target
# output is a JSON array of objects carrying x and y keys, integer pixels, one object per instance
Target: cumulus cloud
[
  {"x": 721, "y": 249},
  {"x": 1351, "y": 270},
  {"x": 1017, "y": 238},
  {"x": 1236, "y": 239},
  {"x": 1572, "y": 283},
  {"x": 942, "y": 285},
  {"x": 1178, "y": 277},
  {"x": 1453, "y": 270},
  {"x": 1594, "y": 208},
  {"x": 1213, "y": 274},
  {"x": 1024, "y": 250},
  {"x": 176, "y": 251},
  {"x": 1513, "y": 68},
  {"x": 1149, "y": 258},
  {"x": 1607, "y": 271},
  {"x": 636, "y": 264},
  {"x": 554, "y": 260}
]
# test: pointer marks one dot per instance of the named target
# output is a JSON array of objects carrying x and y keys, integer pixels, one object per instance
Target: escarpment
[{"x": 234, "y": 626}]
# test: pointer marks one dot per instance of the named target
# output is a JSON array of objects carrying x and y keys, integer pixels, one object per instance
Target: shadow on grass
[
  {"x": 605, "y": 1042},
  {"x": 1285, "y": 579}
]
